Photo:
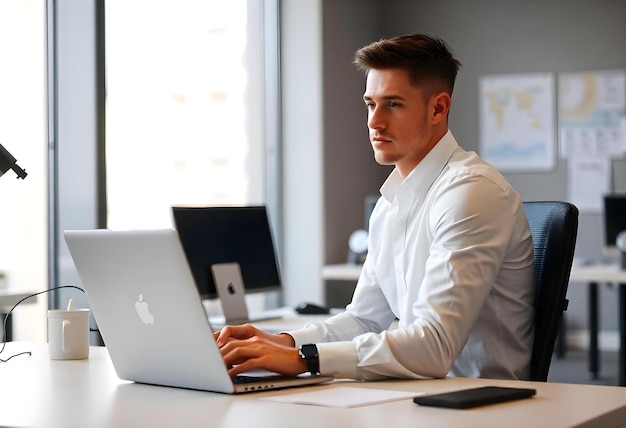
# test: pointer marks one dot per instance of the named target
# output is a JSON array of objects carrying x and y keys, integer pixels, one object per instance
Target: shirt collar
[{"x": 425, "y": 173}]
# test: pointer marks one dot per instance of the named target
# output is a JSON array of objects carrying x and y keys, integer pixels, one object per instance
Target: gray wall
[
  {"x": 350, "y": 171},
  {"x": 488, "y": 36},
  {"x": 302, "y": 131}
]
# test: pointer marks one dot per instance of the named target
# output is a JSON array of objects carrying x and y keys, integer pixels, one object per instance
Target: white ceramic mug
[{"x": 68, "y": 333}]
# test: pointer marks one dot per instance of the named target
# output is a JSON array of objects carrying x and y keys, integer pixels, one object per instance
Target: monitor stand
[
  {"x": 231, "y": 292},
  {"x": 232, "y": 295}
]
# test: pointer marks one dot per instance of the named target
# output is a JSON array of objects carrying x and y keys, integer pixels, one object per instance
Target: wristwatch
[{"x": 311, "y": 357}]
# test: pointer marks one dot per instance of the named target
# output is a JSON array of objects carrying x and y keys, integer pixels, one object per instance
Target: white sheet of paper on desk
[{"x": 342, "y": 397}]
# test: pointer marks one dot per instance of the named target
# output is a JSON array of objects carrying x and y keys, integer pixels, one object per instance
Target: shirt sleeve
[
  {"x": 368, "y": 312},
  {"x": 472, "y": 224}
]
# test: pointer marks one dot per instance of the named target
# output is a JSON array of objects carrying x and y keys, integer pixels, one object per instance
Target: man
[{"x": 450, "y": 254}]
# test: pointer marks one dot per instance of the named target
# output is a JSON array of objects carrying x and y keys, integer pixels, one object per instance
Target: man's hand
[
  {"x": 246, "y": 347},
  {"x": 247, "y": 331},
  {"x": 259, "y": 353}
]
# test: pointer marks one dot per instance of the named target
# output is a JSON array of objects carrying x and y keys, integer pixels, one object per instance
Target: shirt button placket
[{"x": 399, "y": 231}]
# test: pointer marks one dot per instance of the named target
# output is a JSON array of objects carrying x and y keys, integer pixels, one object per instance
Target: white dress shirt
[{"x": 450, "y": 256}]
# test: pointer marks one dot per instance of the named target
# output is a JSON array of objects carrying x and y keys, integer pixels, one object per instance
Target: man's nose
[{"x": 375, "y": 119}]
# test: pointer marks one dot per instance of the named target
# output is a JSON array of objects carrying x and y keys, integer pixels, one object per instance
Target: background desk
[
  {"x": 37, "y": 391},
  {"x": 345, "y": 272},
  {"x": 339, "y": 283},
  {"x": 594, "y": 275},
  {"x": 8, "y": 299},
  {"x": 276, "y": 320}
]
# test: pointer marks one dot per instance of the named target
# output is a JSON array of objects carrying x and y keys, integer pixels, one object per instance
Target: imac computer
[
  {"x": 614, "y": 221},
  {"x": 225, "y": 236}
]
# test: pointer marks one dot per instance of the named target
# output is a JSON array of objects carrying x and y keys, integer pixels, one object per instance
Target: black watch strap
[{"x": 311, "y": 357}]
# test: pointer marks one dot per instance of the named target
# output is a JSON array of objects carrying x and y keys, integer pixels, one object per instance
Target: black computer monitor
[
  {"x": 211, "y": 235},
  {"x": 614, "y": 219}
]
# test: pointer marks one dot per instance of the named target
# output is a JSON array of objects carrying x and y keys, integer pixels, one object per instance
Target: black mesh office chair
[{"x": 553, "y": 226}]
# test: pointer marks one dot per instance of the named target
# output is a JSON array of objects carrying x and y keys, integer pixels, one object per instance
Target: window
[
  {"x": 185, "y": 115},
  {"x": 23, "y": 257},
  {"x": 191, "y": 110}
]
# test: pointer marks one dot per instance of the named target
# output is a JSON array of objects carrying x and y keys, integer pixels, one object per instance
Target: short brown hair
[{"x": 427, "y": 59}]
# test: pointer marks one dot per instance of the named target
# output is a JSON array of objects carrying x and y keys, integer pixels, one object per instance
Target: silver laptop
[{"x": 150, "y": 315}]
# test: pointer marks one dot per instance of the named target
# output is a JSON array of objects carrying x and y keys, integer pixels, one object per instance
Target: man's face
[{"x": 403, "y": 125}]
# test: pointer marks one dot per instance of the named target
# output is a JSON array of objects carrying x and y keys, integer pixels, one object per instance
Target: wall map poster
[
  {"x": 591, "y": 107},
  {"x": 517, "y": 121},
  {"x": 591, "y": 112}
]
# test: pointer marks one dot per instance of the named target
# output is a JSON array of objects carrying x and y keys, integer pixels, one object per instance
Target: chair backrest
[{"x": 553, "y": 226}]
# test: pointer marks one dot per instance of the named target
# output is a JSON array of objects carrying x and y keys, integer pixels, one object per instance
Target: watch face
[
  {"x": 308, "y": 352},
  {"x": 358, "y": 241}
]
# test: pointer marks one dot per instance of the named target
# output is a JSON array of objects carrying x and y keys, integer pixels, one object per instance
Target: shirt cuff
[
  {"x": 338, "y": 359},
  {"x": 304, "y": 336}
]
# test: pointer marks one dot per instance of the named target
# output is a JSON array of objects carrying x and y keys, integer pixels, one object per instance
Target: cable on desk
[{"x": 4, "y": 324}]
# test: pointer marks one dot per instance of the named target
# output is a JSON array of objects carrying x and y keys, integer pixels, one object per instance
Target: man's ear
[{"x": 441, "y": 107}]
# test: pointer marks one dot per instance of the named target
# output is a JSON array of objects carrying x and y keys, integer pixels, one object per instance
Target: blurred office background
[{"x": 118, "y": 109}]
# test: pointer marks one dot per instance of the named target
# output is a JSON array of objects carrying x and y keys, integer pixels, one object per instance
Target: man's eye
[
  {"x": 393, "y": 104},
  {"x": 369, "y": 106}
]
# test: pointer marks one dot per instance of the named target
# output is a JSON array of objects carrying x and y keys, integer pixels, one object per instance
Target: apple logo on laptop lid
[{"x": 141, "y": 306}]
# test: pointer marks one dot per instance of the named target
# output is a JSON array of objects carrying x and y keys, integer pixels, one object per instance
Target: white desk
[
  {"x": 594, "y": 275},
  {"x": 40, "y": 392}
]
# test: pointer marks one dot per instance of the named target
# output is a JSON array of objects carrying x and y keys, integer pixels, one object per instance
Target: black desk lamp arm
[{"x": 8, "y": 161}]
